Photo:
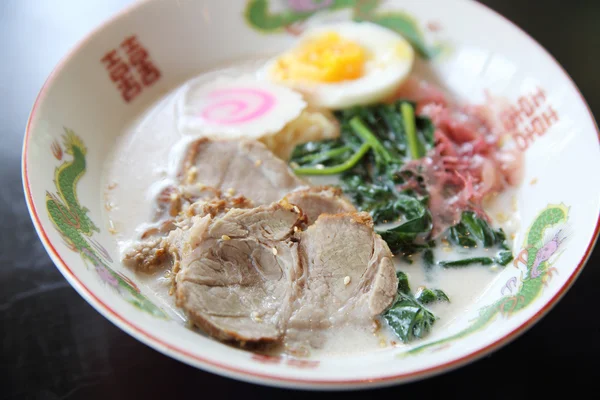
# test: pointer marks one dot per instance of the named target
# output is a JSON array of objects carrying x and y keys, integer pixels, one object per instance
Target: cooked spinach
[
  {"x": 415, "y": 146},
  {"x": 467, "y": 261},
  {"x": 408, "y": 317},
  {"x": 474, "y": 232},
  {"x": 427, "y": 296},
  {"x": 326, "y": 152},
  {"x": 392, "y": 132},
  {"x": 403, "y": 285},
  {"x": 410, "y": 237},
  {"x": 325, "y": 158}
]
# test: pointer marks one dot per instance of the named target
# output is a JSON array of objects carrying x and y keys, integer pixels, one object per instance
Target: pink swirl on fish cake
[{"x": 241, "y": 104}]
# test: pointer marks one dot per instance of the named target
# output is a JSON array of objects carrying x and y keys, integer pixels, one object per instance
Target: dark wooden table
[{"x": 56, "y": 346}]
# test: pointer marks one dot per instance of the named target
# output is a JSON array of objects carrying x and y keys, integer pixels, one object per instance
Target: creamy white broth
[{"x": 144, "y": 160}]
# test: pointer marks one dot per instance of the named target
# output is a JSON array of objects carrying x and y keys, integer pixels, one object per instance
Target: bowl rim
[{"x": 249, "y": 375}]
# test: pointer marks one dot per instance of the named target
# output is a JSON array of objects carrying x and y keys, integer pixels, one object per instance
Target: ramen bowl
[{"x": 122, "y": 68}]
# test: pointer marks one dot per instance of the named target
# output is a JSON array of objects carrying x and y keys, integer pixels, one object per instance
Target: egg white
[{"x": 384, "y": 71}]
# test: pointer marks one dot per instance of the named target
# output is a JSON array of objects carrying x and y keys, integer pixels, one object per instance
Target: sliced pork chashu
[
  {"x": 238, "y": 273},
  {"x": 152, "y": 251},
  {"x": 349, "y": 277},
  {"x": 318, "y": 200},
  {"x": 226, "y": 174},
  {"x": 245, "y": 167}
]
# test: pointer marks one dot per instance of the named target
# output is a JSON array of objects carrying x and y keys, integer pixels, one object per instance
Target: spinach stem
[
  {"x": 336, "y": 169},
  {"x": 408, "y": 115},
  {"x": 361, "y": 130},
  {"x": 331, "y": 153}
]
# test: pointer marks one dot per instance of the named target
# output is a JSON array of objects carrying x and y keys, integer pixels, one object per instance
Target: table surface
[{"x": 54, "y": 345}]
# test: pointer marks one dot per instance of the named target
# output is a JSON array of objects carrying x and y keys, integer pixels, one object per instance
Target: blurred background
[{"x": 55, "y": 346}]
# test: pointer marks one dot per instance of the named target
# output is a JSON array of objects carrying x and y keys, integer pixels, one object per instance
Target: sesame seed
[
  {"x": 254, "y": 315},
  {"x": 296, "y": 229},
  {"x": 346, "y": 280},
  {"x": 111, "y": 228},
  {"x": 191, "y": 174},
  {"x": 296, "y": 209},
  {"x": 258, "y": 163},
  {"x": 225, "y": 237},
  {"x": 501, "y": 217},
  {"x": 274, "y": 251}
]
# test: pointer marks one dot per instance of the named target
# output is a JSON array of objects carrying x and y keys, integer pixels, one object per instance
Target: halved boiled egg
[{"x": 344, "y": 64}]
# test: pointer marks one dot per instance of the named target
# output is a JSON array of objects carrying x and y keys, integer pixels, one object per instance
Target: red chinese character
[
  {"x": 130, "y": 44},
  {"x": 129, "y": 88},
  {"x": 111, "y": 59},
  {"x": 138, "y": 57},
  {"x": 550, "y": 116},
  {"x": 539, "y": 97},
  {"x": 117, "y": 72},
  {"x": 120, "y": 72},
  {"x": 525, "y": 106},
  {"x": 148, "y": 72},
  {"x": 537, "y": 127}
]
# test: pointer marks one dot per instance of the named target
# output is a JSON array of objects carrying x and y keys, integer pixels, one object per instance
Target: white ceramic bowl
[{"x": 80, "y": 107}]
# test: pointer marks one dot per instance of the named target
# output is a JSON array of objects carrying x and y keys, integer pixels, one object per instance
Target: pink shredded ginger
[{"x": 468, "y": 162}]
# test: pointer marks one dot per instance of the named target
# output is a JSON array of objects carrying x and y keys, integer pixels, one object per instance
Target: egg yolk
[{"x": 325, "y": 58}]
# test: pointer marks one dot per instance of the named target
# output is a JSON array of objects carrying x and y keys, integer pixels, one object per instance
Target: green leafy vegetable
[
  {"x": 428, "y": 259},
  {"x": 403, "y": 285},
  {"x": 504, "y": 257},
  {"x": 326, "y": 152},
  {"x": 467, "y": 261},
  {"x": 365, "y": 133},
  {"x": 383, "y": 127},
  {"x": 474, "y": 232},
  {"x": 417, "y": 150},
  {"x": 403, "y": 238},
  {"x": 427, "y": 296},
  {"x": 335, "y": 169},
  {"x": 408, "y": 317}
]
